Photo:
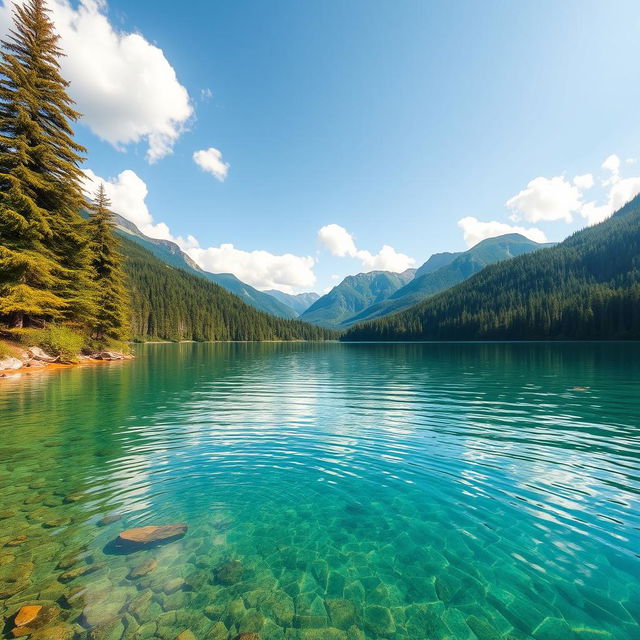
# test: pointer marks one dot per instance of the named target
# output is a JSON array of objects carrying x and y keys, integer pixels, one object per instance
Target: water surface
[{"x": 340, "y": 492}]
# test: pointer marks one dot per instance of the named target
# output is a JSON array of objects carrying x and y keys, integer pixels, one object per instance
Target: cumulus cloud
[
  {"x": 261, "y": 269},
  {"x": 339, "y": 242},
  {"x": 126, "y": 88},
  {"x": 612, "y": 164},
  {"x": 128, "y": 193},
  {"x": 210, "y": 160},
  {"x": 546, "y": 199},
  {"x": 621, "y": 190},
  {"x": 475, "y": 230},
  {"x": 585, "y": 181},
  {"x": 558, "y": 199}
]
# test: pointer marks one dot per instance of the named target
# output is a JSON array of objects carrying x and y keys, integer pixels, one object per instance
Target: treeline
[
  {"x": 587, "y": 287},
  {"x": 171, "y": 304},
  {"x": 60, "y": 269},
  {"x": 55, "y": 267}
]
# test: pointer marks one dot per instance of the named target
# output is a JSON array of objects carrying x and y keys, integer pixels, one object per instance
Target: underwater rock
[
  {"x": 186, "y": 635},
  {"x": 230, "y": 572},
  {"x": 72, "y": 574},
  {"x": 218, "y": 632},
  {"x": 173, "y": 585},
  {"x": 248, "y": 636},
  {"x": 151, "y": 535},
  {"x": 342, "y": 613},
  {"x": 17, "y": 541},
  {"x": 483, "y": 629},
  {"x": 110, "y": 630},
  {"x": 56, "y": 522},
  {"x": 31, "y": 619},
  {"x": 27, "y": 614},
  {"x": 109, "y": 520},
  {"x": 62, "y": 631},
  {"x": 14, "y": 579},
  {"x": 143, "y": 569},
  {"x": 379, "y": 621}
]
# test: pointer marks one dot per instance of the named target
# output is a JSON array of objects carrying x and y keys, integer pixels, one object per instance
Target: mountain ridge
[
  {"x": 586, "y": 287},
  {"x": 353, "y": 294},
  {"x": 168, "y": 251}
]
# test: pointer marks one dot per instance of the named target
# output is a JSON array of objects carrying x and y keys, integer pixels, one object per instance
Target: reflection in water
[{"x": 331, "y": 491}]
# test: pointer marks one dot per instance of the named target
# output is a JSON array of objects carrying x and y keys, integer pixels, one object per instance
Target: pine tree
[
  {"x": 45, "y": 269},
  {"x": 111, "y": 318}
]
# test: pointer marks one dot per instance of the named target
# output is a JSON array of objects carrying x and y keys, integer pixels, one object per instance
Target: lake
[{"x": 331, "y": 491}]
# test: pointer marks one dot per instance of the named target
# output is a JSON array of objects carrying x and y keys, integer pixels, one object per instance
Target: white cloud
[
  {"x": 261, "y": 269},
  {"x": 340, "y": 243},
  {"x": 612, "y": 164},
  {"x": 210, "y": 160},
  {"x": 337, "y": 240},
  {"x": 125, "y": 87},
  {"x": 475, "y": 230},
  {"x": 128, "y": 193},
  {"x": 546, "y": 199},
  {"x": 621, "y": 191},
  {"x": 585, "y": 181}
]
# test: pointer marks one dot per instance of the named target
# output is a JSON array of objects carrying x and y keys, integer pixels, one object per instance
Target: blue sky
[{"x": 408, "y": 124}]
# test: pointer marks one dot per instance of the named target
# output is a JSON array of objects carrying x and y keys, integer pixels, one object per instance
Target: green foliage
[
  {"x": 7, "y": 350},
  {"x": 587, "y": 287},
  {"x": 44, "y": 261},
  {"x": 171, "y": 304},
  {"x": 111, "y": 320},
  {"x": 354, "y": 294},
  {"x": 56, "y": 340}
]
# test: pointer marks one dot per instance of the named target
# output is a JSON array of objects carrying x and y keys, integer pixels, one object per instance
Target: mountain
[
  {"x": 435, "y": 262},
  {"x": 171, "y": 304},
  {"x": 587, "y": 287},
  {"x": 354, "y": 294},
  {"x": 299, "y": 302},
  {"x": 171, "y": 253},
  {"x": 444, "y": 270}
]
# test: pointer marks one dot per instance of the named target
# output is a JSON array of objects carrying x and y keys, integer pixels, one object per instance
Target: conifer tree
[
  {"x": 45, "y": 271},
  {"x": 112, "y": 314}
]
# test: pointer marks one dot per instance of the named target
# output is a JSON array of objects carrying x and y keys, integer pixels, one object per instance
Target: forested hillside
[
  {"x": 454, "y": 268},
  {"x": 171, "y": 304},
  {"x": 171, "y": 253},
  {"x": 354, "y": 294},
  {"x": 587, "y": 287}
]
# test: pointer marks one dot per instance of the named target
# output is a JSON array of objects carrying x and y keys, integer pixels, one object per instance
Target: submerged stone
[
  {"x": 151, "y": 535},
  {"x": 72, "y": 574},
  {"x": 143, "y": 569},
  {"x": 230, "y": 572},
  {"x": 27, "y": 614},
  {"x": 218, "y": 632},
  {"x": 186, "y": 635},
  {"x": 379, "y": 621},
  {"x": 484, "y": 630},
  {"x": 342, "y": 613}
]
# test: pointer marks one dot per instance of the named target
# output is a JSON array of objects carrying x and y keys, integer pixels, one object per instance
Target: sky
[{"x": 294, "y": 143}]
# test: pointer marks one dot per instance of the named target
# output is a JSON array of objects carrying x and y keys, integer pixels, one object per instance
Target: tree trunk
[{"x": 17, "y": 320}]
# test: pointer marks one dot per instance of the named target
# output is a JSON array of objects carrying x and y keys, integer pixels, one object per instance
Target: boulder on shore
[
  {"x": 151, "y": 535},
  {"x": 110, "y": 355},
  {"x": 10, "y": 363},
  {"x": 36, "y": 353}
]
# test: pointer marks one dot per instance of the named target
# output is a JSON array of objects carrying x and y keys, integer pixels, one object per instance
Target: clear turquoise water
[{"x": 433, "y": 491}]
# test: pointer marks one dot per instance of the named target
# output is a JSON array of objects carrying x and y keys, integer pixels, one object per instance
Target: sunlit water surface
[{"x": 341, "y": 492}]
